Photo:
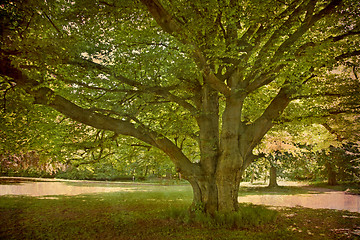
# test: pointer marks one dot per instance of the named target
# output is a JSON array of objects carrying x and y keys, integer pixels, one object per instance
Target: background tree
[
  {"x": 219, "y": 74},
  {"x": 339, "y": 163}
]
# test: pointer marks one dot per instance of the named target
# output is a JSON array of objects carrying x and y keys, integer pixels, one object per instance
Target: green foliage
[
  {"x": 309, "y": 163},
  {"x": 343, "y": 161},
  {"x": 111, "y": 170},
  {"x": 76, "y": 174},
  {"x": 313, "y": 164},
  {"x": 29, "y": 172},
  {"x": 202, "y": 81},
  {"x": 26, "y": 128},
  {"x": 99, "y": 172}
]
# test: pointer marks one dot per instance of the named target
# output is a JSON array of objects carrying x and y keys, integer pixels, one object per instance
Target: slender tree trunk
[
  {"x": 331, "y": 175},
  {"x": 273, "y": 181}
]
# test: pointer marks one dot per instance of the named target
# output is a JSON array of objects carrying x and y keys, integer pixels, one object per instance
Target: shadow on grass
[
  {"x": 351, "y": 187},
  {"x": 15, "y": 181}
]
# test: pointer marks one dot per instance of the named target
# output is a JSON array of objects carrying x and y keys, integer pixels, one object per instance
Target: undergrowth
[{"x": 247, "y": 216}]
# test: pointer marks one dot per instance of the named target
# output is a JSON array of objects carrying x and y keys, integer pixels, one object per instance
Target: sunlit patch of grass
[
  {"x": 351, "y": 187},
  {"x": 288, "y": 190}
]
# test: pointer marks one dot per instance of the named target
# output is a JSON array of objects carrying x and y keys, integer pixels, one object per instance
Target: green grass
[
  {"x": 288, "y": 190},
  {"x": 149, "y": 211},
  {"x": 351, "y": 187}
]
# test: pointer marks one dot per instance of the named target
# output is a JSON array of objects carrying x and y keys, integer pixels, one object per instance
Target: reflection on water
[
  {"x": 330, "y": 200},
  {"x": 55, "y": 188}
]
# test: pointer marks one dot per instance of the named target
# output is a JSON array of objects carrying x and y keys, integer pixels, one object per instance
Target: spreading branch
[
  {"x": 140, "y": 88},
  {"x": 170, "y": 25},
  {"x": 266, "y": 121},
  {"x": 47, "y": 97}
]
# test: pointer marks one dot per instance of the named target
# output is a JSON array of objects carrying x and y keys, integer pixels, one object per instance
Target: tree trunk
[
  {"x": 216, "y": 194},
  {"x": 331, "y": 175},
  {"x": 252, "y": 178},
  {"x": 273, "y": 182}
]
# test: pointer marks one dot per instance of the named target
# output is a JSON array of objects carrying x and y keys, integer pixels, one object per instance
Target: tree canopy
[{"x": 211, "y": 77}]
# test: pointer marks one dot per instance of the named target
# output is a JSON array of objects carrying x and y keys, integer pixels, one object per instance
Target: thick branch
[
  {"x": 347, "y": 55},
  {"x": 90, "y": 64},
  {"x": 337, "y": 38},
  {"x": 170, "y": 25},
  {"x": 216, "y": 83},
  {"x": 332, "y": 131},
  {"x": 141, "y": 88},
  {"x": 263, "y": 124},
  {"x": 47, "y": 97},
  {"x": 286, "y": 45},
  {"x": 308, "y": 23},
  {"x": 293, "y": 17},
  {"x": 263, "y": 79},
  {"x": 162, "y": 17}
]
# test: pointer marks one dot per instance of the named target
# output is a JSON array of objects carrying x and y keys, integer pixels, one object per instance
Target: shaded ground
[{"x": 145, "y": 215}]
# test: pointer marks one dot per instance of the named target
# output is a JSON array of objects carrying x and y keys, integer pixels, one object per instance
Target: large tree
[{"x": 217, "y": 74}]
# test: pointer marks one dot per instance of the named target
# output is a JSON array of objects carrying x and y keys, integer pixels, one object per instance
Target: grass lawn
[
  {"x": 350, "y": 187},
  {"x": 146, "y": 211}
]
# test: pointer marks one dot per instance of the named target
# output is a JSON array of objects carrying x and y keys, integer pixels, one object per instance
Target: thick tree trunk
[
  {"x": 216, "y": 194},
  {"x": 228, "y": 188},
  {"x": 205, "y": 194}
]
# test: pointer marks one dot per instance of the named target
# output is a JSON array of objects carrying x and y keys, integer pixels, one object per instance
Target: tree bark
[
  {"x": 273, "y": 181},
  {"x": 252, "y": 178},
  {"x": 331, "y": 175},
  {"x": 217, "y": 194}
]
